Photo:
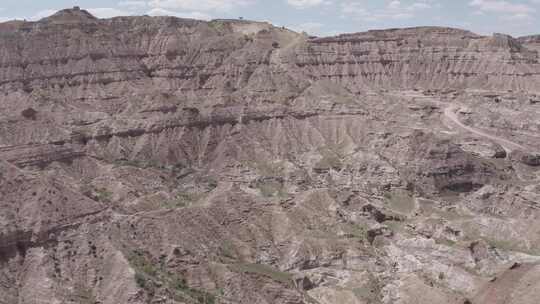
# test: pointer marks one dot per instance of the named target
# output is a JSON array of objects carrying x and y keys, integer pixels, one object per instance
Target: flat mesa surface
[{"x": 166, "y": 160}]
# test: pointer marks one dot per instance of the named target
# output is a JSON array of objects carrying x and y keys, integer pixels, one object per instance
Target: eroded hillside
[{"x": 165, "y": 160}]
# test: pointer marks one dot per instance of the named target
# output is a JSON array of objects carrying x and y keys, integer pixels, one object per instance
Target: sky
[{"x": 317, "y": 17}]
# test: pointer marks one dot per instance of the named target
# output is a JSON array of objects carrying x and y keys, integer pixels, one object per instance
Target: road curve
[
  {"x": 450, "y": 113},
  {"x": 509, "y": 146}
]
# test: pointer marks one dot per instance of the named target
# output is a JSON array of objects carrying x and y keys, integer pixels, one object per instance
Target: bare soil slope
[{"x": 165, "y": 160}]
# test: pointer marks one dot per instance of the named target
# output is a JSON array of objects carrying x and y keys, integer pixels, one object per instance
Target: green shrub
[
  {"x": 264, "y": 270},
  {"x": 103, "y": 195},
  {"x": 147, "y": 274},
  {"x": 217, "y": 25},
  {"x": 183, "y": 292},
  {"x": 140, "y": 279}
]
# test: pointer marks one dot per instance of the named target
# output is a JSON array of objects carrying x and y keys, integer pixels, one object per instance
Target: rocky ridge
[{"x": 166, "y": 160}]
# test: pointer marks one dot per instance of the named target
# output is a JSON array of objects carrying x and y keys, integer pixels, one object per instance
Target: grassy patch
[
  {"x": 329, "y": 160},
  {"x": 511, "y": 245},
  {"x": 140, "y": 279},
  {"x": 264, "y": 270},
  {"x": 271, "y": 189},
  {"x": 83, "y": 295},
  {"x": 228, "y": 250},
  {"x": 501, "y": 244},
  {"x": 103, "y": 195},
  {"x": 268, "y": 168},
  {"x": 144, "y": 164},
  {"x": 182, "y": 292},
  {"x": 396, "y": 226},
  {"x": 151, "y": 276},
  {"x": 400, "y": 201},
  {"x": 217, "y": 25},
  {"x": 174, "y": 204},
  {"x": 473, "y": 232},
  {"x": 369, "y": 292},
  {"x": 446, "y": 242},
  {"x": 356, "y": 231},
  {"x": 430, "y": 208},
  {"x": 141, "y": 264},
  {"x": 181, "y": 200}
]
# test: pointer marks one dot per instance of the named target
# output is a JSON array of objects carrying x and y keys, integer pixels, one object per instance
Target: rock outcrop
[{"x": 166, "y": 160}]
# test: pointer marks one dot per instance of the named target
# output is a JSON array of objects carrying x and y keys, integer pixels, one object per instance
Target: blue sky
[{"x": 318, "y": 17}]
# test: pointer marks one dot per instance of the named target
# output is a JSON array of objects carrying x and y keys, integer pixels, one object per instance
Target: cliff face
[
  {"x": 166, "y": 160},
  {"x": 531, "y": 42},
  {"x": 422, "y": 57},
  {"x": 75, "y": 50}
]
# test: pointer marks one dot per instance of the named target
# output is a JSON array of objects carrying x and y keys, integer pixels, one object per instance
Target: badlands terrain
[{"x": 165, "y": 160}]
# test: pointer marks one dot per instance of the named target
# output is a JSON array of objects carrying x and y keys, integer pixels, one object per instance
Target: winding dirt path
[
  {"x": 509, "y": 146},
  {"x": 450, "y": 113}
]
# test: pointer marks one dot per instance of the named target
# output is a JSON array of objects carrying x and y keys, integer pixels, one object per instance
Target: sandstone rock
[{"x": 158, "y": 159}]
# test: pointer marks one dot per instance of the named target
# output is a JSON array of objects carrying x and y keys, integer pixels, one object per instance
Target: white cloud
[
  {"x": 307, "y": 3},
  {"x": 313, "y": 28},
  {"x": 518, "y": 17},
  {"x": 503, "y": 7},
  {"x": 519, "y": 13},
  {"x": 353, "y": 8},
  {"x": 133, "y": 4},
  {"x": 100, "y": 12},
  {"x": 199, "y": 5},
  {"x": 394, "y": 4},
  {"x": 420, "y": 6},
  {"x": 191, "y": 15},
  {"x": 394, "y": 10},
  {"x": 108, "y": 12},
  {"x": 415, "y": 6}
]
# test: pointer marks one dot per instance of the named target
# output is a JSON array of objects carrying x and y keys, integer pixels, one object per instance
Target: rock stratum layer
[{"x": 166, "y": 160}]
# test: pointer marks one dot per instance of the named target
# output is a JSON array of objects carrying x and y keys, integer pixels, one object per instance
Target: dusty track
[
  {"x": 509, "y": 146},
  {"x": 449, "y": 112}
]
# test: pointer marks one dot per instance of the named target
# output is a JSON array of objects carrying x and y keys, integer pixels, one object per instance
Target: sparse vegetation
[
  {"x": 369, "y": 291},
  {"x": 268, "y": 168},
  {"x": 510, "y": 245},
  {"x": 212, "y": 183},
  {"x": 217, "y": 25},
  {"x": 103, "y": 195},
  {"x": 271, "y": 189},
  {"x": 248, "y": 38},
  {"x": 445, "y": 241},
  {"x": 396, "y": 226},
  {"x": 83, "y": 295},
  {"x": 143, "y": 164},
  {"x": 141, "y": 264},
  {"x": 238, "y": 161},
  {"x": 329, "y": 160},
  {"x": 151, "y": 276},
  {"x": 400, "y": 200},
  {"x": 228, "y": 250},
  {"x": 140, "y": 279},
  {"x": 357, "y": 231},
  {"x": 180, "y": 201},
  {"x": 182, "y": 292},
  {"x": 264, "y": 270}
]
